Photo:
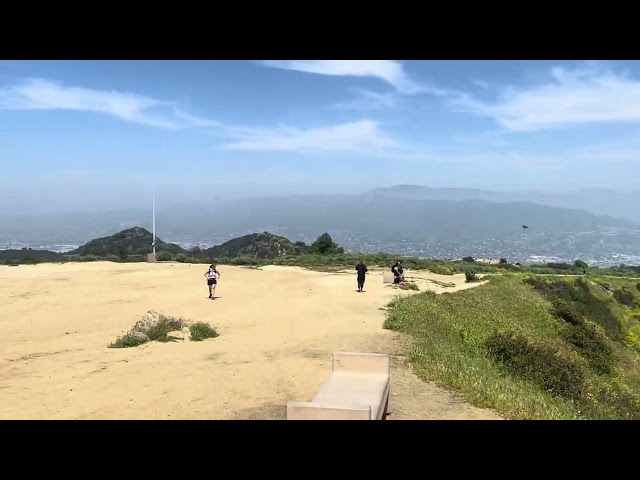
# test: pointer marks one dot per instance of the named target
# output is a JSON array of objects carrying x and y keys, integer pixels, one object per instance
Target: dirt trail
[{"x": 278, "y": 327}]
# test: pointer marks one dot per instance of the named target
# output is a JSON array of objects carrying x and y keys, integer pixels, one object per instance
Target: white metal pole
[{"x": 154, "y": 220}]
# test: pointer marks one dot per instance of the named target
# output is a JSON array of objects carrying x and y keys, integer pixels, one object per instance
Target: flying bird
[{"x": 524, "y": 227}]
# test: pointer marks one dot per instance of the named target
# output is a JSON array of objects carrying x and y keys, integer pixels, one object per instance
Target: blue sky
[{"x": 102, "y": 132}]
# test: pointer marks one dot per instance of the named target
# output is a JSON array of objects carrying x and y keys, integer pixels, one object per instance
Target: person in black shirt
[{"x": 361, "y": 268}]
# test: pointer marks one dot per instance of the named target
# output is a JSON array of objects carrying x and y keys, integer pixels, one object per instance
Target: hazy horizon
[
  {"x": 77, "y": 135},
  {"x": 140, "y": 198}
]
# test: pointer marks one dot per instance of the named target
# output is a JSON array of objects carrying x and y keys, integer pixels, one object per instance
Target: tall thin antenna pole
[{"x": 154, "y": 220}]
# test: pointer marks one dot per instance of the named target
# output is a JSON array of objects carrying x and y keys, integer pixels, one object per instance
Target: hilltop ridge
[
  {"x": 265, "y": 248},
  {"x": 132, "y": 241},
  {"x": 257, "y": 246}
]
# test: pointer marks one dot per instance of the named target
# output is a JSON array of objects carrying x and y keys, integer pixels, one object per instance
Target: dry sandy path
[{"x": 278, "y": 327}]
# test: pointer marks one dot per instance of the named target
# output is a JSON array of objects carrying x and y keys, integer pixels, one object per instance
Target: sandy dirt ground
[{"x": 278, "y": 327}]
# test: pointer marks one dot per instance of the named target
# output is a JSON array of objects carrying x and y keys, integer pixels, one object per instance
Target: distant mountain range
[
  {"x": 615, "y": 203},
  {"x": 439, "y": 222}
]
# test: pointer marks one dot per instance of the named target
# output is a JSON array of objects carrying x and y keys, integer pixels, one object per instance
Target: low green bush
[
  {"x": 540, "y": 363},
  {"x": 201, "y": 331},
  {"x": 441, "y": 270},
  {"x": 470, "y": 276},
  {"x": 592, "y": 346},
  {"x": 163, "y": 257},
  {"x": 625, "y": 297}
]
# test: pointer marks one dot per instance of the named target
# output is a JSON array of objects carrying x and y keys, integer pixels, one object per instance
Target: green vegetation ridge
[{"x": 259, "y": 249}]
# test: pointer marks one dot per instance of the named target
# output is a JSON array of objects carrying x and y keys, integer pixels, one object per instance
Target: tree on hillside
[
  {"x": 580, "y": 264},
  {"x": 324, "y": 245}
]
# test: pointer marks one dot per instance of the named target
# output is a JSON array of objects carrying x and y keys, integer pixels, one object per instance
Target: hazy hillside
[
  {"x": 27, "y": 255},
  {"x": 422, "y": 213},
  {"x": 133, "y": 241},
  {"x": 615, "y": 203},
  {"x": 384, "y": 218},
  {"x": 417, "y": 192}
]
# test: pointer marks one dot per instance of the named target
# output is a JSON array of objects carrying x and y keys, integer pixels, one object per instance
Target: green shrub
[
  {"x": 441, "y": 270},
  {"x": 625, "y": 404},
  {"x": 156, "y": 327},
  {"x": 541, "y": 363},
  {"x": 29, "y": 260},
  {"x": 625, "y": 297},
  {"x": 592, "y": 346},
  {"x": 129, "y": 339},
  {"x": 564, "y": 311},
  {"x": 471, "y": 276},
  {"x": 111, "y": 258},
  {"x": 152, "y": 327},
  {"x": 584, "y": 302},
  {"x": 201, "y": 331},
  {"x": 559, "y": 266},
  {"x": 163, "y": 257},
  {"x": 507, "y": 266},
  {"x": 181, "y": 258},
  {"x": 243, "y": 261},
  {"x": 159, "y": 330}
]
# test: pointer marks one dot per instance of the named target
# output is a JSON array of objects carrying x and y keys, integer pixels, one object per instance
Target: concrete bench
[{"x": 358, "y": 389}]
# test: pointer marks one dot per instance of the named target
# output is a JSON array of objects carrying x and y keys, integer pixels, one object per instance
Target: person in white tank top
[{"x": 212, "y": 275}]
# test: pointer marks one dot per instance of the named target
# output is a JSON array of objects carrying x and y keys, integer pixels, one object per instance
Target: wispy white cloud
[
  {"x": 367, "y": 138},
  {"x": 592, "y": 154},
  {"x": 481, "y": 84},
  {"x": 358, "y": 137},
  {"x": 368, "y": 100},
  {"x": 390, "y": 71},
  {"x": 587, "y": 95},
  {"x": 38, "y": 94}
]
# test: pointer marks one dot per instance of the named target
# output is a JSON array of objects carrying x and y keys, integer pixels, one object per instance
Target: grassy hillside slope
[{"x": 531, "y": 347}]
